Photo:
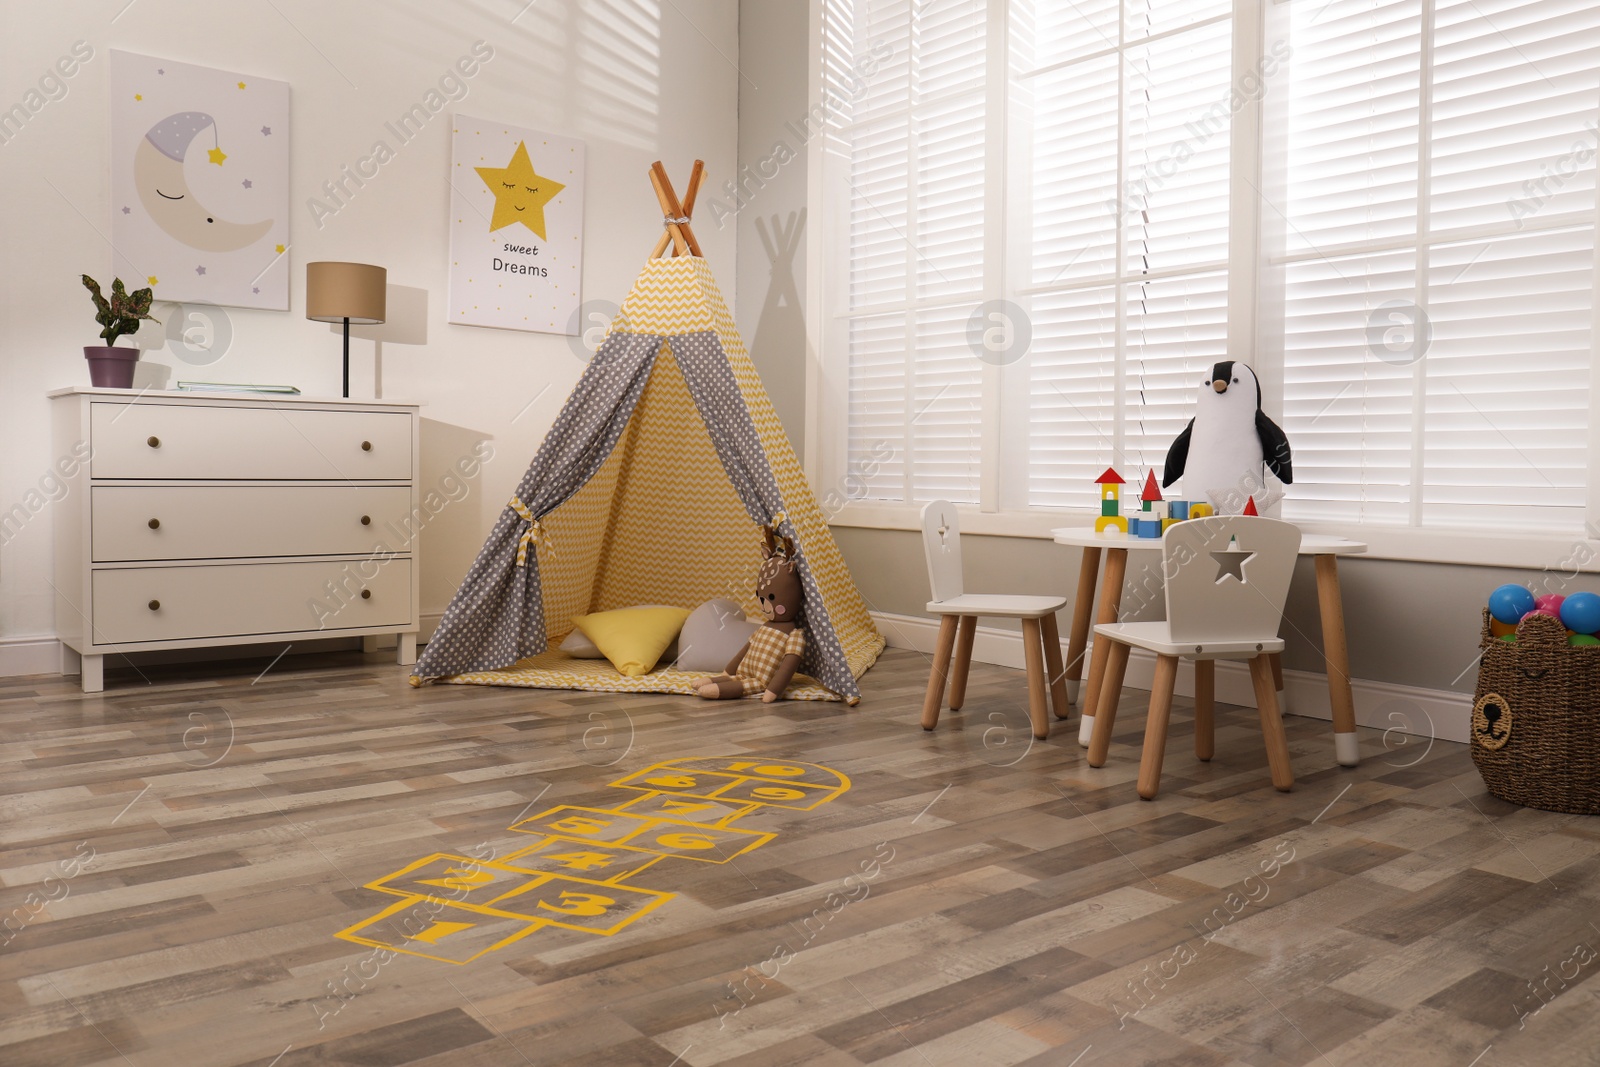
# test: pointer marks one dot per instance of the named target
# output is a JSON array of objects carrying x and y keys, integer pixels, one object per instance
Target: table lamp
[{"x": 346, "y": 292}]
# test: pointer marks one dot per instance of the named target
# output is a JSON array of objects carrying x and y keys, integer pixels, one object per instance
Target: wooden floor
[{"x": 179, "y": 852}]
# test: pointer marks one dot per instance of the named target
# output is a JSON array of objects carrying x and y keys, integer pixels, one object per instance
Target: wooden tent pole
[
  {"x": 679, "y": 245},
  {"x": 695, "y": 178},
  {"x": 675, "y": 207},
  {"x": 693, "y": 191}
]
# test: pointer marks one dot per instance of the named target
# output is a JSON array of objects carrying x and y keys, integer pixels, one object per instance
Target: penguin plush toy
[{"x": 1221, "y": 453}]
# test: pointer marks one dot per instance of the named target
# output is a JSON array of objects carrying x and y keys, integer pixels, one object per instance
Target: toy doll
[{"x": 770, "y": 658}]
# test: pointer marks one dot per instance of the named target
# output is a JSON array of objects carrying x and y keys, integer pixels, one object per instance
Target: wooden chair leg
[
  {"x": 1205, "y": 690},
  {"x": 1105, "y": 716},
  {"x": 1272, "y": 724},
  {"x": 1052, "y": 663},
  {"x": 1276, "y": 659},
  {"x": 962, "y": 662},
  {"x": 1155, "y": 727},
  {"x": 1033, "y": 654},
  {"x": 941, "y": 667}
]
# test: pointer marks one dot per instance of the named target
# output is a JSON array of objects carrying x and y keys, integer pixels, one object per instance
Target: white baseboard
[
  {"x": 29, "y": 655},
  {"x": 1439, "y": 713}
]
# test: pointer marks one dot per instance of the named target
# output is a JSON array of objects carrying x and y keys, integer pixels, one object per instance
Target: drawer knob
[
  {"x": 154, "y": 524},
  {"x": 366, "y": 446},
  {"x": 154, "y": 442},
  {"x": 366, "y": 520},
  {"x": 155, "y": 605},
  {"x": 366, "y": 594}
]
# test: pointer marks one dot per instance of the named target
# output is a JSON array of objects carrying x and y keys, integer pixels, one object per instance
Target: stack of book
[{"x": 235, "y": 387}]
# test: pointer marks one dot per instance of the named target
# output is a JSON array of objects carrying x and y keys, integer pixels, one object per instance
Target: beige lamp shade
[{"x": 339, "y": 291}]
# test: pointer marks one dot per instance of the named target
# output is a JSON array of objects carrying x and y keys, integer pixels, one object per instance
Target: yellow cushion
[{"x": 632, "y": 638}]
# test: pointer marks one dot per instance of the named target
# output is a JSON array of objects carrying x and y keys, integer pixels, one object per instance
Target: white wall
[
  {"x": 635, "y": 79},
  {"x": 769, "y": 210}
]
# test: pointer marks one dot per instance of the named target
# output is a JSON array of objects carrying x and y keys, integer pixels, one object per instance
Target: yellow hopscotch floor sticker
[{"x": 577, "y": 872}]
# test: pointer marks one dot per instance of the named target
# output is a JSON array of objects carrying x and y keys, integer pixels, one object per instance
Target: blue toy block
[
  {"x": 1150, "y": 528},
  {"x": 1178, "y": 509}
]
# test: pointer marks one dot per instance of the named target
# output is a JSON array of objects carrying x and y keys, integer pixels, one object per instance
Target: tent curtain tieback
[{"x": 533, "y": 535}]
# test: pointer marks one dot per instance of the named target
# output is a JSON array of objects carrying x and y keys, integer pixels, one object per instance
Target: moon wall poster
[
  {"x": 516, "y": 228},
  {"x": 200, "y": 182}
]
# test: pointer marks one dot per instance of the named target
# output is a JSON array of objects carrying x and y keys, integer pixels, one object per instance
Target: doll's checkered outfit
[{"x": 768, "y": 646}]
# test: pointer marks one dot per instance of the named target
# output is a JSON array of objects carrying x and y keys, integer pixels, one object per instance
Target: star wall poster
[
  {"x": 200, "y": 182},
  {"x": 516, "y": 228}
]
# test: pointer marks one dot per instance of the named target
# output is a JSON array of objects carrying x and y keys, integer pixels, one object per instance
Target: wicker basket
[{"x": 1536, "y": 718}]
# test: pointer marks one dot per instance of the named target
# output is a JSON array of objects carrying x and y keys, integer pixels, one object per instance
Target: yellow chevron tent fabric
[{"x": 652, "y": 488}]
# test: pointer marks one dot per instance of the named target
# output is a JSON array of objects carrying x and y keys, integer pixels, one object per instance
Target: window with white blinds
[
  {"x": 1118, "y": 116},
  {"x": 915, "y": 261},
  {"x": 1434, "y": 252},
  {"x": 1418, "y": 255},
  {"x": 1123, "y": 121}
]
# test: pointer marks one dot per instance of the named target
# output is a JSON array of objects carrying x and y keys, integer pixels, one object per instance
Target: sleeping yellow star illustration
[{"x": 519, "y": 194}]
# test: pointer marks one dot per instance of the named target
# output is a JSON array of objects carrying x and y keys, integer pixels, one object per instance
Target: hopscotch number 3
[{"x": 580, "y": 904}]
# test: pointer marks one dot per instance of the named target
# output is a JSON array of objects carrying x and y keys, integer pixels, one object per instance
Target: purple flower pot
[{"x": 110, "y": 368}]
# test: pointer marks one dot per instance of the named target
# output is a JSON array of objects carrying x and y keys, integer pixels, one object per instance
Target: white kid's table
[{"x": 1326, "y": 550}]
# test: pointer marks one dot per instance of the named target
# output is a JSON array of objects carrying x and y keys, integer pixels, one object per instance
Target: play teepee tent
[{"x": 652, "y": 487}]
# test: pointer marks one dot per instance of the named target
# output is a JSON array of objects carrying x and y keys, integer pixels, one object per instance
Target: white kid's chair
[
  {"x": 1227, "y": 578},
  {"x": 958, "y": 609}
]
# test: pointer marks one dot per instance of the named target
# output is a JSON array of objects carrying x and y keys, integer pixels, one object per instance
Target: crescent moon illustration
[{"x": 158, "y": 175}]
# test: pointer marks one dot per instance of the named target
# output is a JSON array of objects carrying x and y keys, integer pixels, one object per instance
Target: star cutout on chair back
[{"x": 1230, "y": 564}]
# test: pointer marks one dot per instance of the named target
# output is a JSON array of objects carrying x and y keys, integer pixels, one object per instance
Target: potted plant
[{"x": 109, "y": 365}]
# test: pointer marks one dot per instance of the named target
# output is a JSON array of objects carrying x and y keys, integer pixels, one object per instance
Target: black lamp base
[{"x": 347, "y": 359}]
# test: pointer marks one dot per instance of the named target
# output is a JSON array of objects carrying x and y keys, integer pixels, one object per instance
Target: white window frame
[{"x": 827, "y": 374}]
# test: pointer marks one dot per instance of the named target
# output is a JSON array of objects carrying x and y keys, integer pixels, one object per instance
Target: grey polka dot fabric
[
  {"x": 716, "y": 395},
  {"x": 497, "y": 616}
]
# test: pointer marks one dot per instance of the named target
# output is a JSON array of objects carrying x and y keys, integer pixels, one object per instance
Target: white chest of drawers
[{"x": 202, "y": 519}]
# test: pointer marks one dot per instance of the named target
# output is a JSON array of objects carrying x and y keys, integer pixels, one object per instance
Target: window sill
[{"x": 1462, "y": 547}]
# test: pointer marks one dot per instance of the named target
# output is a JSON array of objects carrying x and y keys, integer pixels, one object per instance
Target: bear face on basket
[{"x": 1534, "y": 736}]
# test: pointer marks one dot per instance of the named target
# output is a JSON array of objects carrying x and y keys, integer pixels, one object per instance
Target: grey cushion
[
  {"x": 712, "y": 635},
  {"x": 578, "y": 646}
]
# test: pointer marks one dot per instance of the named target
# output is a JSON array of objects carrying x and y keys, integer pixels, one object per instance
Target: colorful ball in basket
[
  {"x": 1580, "y": 613},
  {"x": 1509, "y": 603},
  {"x": 1549, "y": 604}
]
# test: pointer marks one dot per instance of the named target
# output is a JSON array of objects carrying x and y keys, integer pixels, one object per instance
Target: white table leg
[
  {"x": 71, "y": 662},
  {"x": 1110, "y": 605},
  {"x": 1082, "y": 611},
  {"x": 406, "y": 647}
]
